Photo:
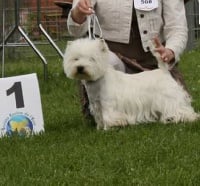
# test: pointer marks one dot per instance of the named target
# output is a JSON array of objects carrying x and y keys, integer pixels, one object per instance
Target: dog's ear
[{"x": 103, "y": 45}]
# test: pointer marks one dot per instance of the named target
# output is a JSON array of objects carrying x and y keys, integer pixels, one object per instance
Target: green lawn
[{"x": 73, "y": 152}]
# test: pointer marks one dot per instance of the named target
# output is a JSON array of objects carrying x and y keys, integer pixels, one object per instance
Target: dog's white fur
[{"x": 119, "y": 99}]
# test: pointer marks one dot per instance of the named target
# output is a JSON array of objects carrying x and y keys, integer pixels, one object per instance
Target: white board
[{"x": 20, "y": 105}]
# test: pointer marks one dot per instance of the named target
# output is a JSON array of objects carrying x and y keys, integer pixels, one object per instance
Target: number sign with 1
[{"x": 20, "y": 105}]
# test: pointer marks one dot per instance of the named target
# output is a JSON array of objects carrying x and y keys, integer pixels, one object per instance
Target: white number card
[
  {"x": 145, "y": 5},
  {"x": 20, "y": 106}
]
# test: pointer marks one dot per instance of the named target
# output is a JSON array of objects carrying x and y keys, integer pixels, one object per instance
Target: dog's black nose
[{"x": 80, "y": 69}]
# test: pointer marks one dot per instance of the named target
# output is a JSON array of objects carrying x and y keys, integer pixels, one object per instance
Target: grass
[{"x": 73, "y": 152}]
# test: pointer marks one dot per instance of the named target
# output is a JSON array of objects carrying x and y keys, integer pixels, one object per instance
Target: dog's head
[{"x": 86, "y": 59}]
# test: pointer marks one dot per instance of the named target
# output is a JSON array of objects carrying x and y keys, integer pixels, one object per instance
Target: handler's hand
[
  {"x": 166, "y": 54},
  {"x": 81, "y": 10}
]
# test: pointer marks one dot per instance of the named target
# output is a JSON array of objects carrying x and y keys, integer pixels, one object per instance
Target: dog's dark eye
[
  {"x": 76, "y": 59},
  {"x": 92, "y": 59}
]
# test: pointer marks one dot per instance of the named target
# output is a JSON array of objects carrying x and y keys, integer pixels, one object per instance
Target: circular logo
[{"x": 19, "y": 124}]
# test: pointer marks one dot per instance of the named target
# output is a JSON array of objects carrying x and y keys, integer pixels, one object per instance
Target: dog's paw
[{"x": 115, "y": 123}]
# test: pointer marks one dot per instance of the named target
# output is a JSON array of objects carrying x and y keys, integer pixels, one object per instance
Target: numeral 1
[{"x": 17, "y": 90}]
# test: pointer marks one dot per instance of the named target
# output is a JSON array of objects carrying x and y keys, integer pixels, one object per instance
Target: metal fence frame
[
  {"x": 192, "y": 13},
  {"x": 15, "y": 28}
]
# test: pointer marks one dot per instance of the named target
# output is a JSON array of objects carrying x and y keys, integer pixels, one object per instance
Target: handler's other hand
[{"x": 166, "y": 54}]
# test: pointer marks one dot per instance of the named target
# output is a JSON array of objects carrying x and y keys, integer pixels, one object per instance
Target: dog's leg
[
  {"x": 113, "y": 119},
  {"x": 187, "y": 115},
  {"x": 96, "y": 112},
  {"x": 177, "y": 109}
]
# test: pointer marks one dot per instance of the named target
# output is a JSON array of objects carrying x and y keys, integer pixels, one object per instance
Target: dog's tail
[{"x": 162, "y": 65}]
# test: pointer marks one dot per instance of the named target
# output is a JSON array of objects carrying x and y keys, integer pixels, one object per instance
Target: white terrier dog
[{"x": 119, "y": 99}]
